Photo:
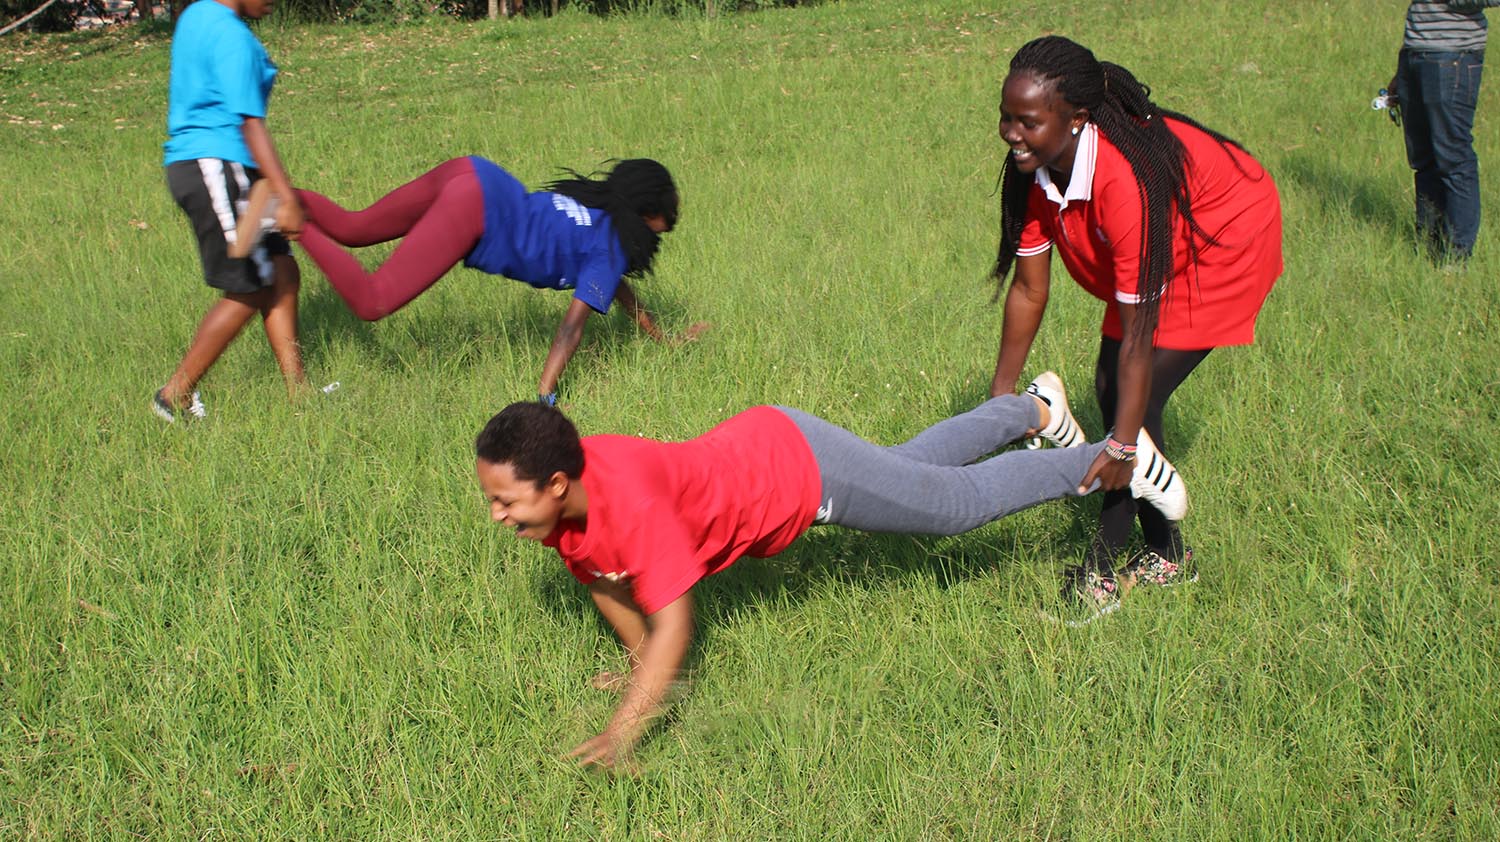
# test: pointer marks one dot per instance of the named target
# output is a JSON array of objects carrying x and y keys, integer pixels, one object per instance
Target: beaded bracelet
[
  {"x": 549, "y": 399},
  {"x": 1118, "y": 450}
]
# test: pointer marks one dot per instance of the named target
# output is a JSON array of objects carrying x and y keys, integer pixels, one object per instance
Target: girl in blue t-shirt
[{"x": 585, "y": 234}]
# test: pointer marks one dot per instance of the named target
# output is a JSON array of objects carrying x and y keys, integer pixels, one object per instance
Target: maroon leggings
[{"x": 440, "y": 217}]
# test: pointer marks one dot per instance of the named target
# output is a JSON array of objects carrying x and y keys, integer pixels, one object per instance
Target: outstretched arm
[
  {"x": 625, "y": 294},
  {"x": 1025, "y": 302},
  {"x": 656, "y": 645},
  {"x": 289, "y": 216},
  {"x": 1134, "y": 389},
  {"x": 564, "y": 343}
]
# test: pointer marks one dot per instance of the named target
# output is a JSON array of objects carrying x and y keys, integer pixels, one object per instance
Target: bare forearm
[
  {"x": 616, "y": 604},
  {"x": 263, "y": 150},
  {"x": 1134, "y": 389},
  {"x": 625, "y": 294},
  {"x": 651, "y": 677},
  {"x": 654, "y": 670},
  {"x": 1023, "y": 317},
  {"x": 564, "y": 343}
]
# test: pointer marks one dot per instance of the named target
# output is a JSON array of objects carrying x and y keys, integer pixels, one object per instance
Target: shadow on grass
[
  {"x": 459, "y": 336},
  {"x": 1339, "y": 193}
]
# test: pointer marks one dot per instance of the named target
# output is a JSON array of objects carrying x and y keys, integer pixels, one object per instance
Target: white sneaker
[
  {"x": 1156, "y": 481},
  {"x": 1063, "y": 429},
  {"x": 166, "y": 412},
  {"x": 258, "y": 217}
]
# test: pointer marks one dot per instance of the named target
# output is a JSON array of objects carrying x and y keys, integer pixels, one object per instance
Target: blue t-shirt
[
  {"x": 545, "y": 239},
  {"x": 220, "y": 76}
]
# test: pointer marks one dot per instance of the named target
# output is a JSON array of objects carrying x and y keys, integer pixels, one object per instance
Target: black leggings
[{"x": 1168, "y": 369}]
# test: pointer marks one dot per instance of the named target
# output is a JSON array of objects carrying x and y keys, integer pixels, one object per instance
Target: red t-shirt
[
  {"x": 1096, "y": 228},
  {"x": 663, "y": 515}
]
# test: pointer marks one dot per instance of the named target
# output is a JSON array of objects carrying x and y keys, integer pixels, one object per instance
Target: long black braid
[
  {"x": 1122, "y": 109},
  {"x": 635, "y": 188}
]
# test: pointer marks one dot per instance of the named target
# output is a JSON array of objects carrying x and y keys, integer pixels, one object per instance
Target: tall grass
[{"x": 295, "y": 621}]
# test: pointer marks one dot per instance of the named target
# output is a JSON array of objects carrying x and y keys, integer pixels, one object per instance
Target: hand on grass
[
  {"x": 605, "y": 751},
  {"x": 610, "y": 681},
  {"x": 690, "y": 334},
  {"x": 1112, "y": 474}
]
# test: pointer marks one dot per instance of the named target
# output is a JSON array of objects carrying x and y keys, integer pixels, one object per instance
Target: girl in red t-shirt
[{"x": 1173, "y": 225}]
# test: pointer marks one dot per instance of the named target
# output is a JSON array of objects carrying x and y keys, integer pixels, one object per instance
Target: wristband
[
  {"x": 1118, "y": 451},
  {"x": 548, "y": 399}
]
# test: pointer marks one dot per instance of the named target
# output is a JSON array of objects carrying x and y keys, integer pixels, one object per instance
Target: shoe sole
[
  {"x": 162, "y": 412},
  {"x": 1156, "y": 476},
  {"x": 248, "y": 230},
  {"x": 1069, "y": 434}
]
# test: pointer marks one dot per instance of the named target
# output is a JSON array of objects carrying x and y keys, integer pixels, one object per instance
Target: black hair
[
  {"x": 634, "y": 188},
  {"x": 1122, "y": 109},
  {"x": 536, "y": 440}
]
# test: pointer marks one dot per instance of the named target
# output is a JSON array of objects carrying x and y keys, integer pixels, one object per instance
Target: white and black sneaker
[
  {"x": 168, "y": 413},
  {"x": 1062, "y": 430},
  {"x": 258, "y": 217},
  {"x": 1156, "y": 481}
]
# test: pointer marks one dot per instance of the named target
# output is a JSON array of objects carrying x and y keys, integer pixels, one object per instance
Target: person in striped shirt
[{"x": 1437, "y": 85}]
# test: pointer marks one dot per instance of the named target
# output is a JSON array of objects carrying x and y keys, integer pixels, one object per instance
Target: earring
[{"x": 1075, "y": 131}]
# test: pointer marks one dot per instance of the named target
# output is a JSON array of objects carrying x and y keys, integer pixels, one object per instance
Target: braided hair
[
  {"x": 1122, "y": 109},
  {"x": 635, "y": 188}
]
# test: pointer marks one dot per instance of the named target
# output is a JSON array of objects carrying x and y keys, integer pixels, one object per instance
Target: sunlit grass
[{"x": 294, "y": 621}]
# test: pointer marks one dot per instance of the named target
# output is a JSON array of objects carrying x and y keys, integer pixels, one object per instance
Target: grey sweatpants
[{"x": 931, "y": 484}]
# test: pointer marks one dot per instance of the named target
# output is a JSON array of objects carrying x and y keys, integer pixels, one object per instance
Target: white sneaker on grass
[
  {"x": 168, "y": 413},
  {"x": 1156, "y": 481},
  {"x": 258, "y": 217},
  {"x": 1062, "y": 430}
]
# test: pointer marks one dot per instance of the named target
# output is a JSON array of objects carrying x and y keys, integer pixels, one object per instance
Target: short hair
[{"x": 536, "y": 440}]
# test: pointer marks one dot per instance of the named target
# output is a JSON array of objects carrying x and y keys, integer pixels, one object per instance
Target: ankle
[{"x": 1043, "y": 414}]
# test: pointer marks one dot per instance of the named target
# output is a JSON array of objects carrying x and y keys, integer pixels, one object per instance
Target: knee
[{"x": 370, "y": 312}]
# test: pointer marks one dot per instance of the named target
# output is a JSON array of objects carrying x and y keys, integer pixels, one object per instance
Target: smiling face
[
  {"x": 518, "y": 503},
  {"x": 1038, "y": 125}
]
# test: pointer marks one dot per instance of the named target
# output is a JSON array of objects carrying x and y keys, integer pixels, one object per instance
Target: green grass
[{"x": 295, "y": 621}]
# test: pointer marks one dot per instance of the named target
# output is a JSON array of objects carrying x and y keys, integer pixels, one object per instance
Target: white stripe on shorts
[
  {"x": 218, "y": 193},
  {"x": 213, "y": 179}
]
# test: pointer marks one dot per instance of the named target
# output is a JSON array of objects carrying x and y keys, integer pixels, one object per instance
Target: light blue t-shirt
[
  {"x": 220, "y": 76},
  {"x": 546, "y": 240}
]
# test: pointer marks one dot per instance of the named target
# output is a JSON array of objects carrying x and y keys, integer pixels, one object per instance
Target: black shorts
[{"x": 212, "y": 193}]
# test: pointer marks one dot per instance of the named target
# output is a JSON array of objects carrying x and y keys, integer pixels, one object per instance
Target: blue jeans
[{"x": 1438, "y": 92}]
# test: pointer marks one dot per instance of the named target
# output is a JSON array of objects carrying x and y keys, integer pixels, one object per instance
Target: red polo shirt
[
  {"x": 1096, "y": 228},
  {"x": 663, "y": 515}
]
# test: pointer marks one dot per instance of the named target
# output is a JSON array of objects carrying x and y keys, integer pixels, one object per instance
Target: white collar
[{"x": 1081, "y": 183}]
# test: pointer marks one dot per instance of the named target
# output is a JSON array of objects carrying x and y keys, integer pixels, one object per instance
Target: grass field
[{"x": 295, "y": 620}]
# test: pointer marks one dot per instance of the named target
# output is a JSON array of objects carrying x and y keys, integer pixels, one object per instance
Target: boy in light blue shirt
[{"x": 217, "y": 146}]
